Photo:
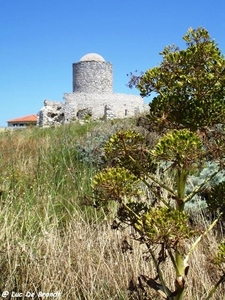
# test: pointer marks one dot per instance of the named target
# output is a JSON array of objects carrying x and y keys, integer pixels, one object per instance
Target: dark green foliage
[
  {"x": 189, "y": 84},
  {"x": 215, "y": 198}
]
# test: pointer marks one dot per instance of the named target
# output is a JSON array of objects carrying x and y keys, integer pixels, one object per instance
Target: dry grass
[
  {"x": 49, "y": 243},
  {"x": 85, "y": 261}
]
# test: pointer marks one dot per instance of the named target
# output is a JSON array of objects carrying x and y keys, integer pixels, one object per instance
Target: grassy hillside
[{"x": 50, "y": 241}]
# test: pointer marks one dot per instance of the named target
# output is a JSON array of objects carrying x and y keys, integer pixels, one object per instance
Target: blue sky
[{"x": 40, "y": 39}]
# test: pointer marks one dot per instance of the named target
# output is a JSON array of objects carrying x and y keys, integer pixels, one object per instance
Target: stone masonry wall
[
  {"x": 102, "y": 106},
  {"x": 92, "y": 77}
]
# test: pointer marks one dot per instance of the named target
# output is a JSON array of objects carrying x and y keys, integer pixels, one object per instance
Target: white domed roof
[{"x": 91, "y": 57}]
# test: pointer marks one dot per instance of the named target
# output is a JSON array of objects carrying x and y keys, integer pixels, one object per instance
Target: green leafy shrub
[{"x": 187, "y": 96}]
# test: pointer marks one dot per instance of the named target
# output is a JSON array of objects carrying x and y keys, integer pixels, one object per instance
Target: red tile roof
[{"x": 30, "y": 118}]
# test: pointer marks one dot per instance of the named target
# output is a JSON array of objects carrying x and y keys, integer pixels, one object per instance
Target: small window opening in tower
[{"x": 125, "y": 112}]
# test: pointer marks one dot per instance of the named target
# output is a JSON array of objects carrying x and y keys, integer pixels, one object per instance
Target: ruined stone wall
[
  {"x": 102, "y": 106},
  {"x": 51, "y": 114}
]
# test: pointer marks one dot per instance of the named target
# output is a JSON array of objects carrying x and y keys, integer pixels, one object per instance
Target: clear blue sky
[{"x": 40, "y": 39}]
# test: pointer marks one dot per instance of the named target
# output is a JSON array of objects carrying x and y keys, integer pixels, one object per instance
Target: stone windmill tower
[
  {"x": 92, "y": 74},
  {"x": 92, "y": 96}
]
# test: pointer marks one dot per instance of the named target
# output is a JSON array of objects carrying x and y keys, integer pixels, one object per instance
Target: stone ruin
[{"x": 92, "y": 96}]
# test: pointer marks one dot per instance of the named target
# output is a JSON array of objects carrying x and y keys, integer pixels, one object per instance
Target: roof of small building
[
  {"x": 30, "y": 118},
  {"x": 92, "y": 57}
]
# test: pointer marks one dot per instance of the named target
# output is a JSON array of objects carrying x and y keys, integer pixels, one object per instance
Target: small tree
[{"x": 189, "y": 84}]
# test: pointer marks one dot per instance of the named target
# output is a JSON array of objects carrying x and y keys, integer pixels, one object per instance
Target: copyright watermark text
[{"x": 29, "y": 294}]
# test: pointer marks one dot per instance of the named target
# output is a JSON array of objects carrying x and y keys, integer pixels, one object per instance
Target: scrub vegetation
[{"x": 53, "y": 240}]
